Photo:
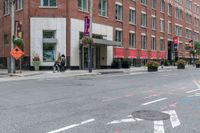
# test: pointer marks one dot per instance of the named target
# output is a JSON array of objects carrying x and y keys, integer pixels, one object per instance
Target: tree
[{"x": 197, "y": 47}]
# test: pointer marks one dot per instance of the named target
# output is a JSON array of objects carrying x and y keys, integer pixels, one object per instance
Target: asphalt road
[{"x": 102, "y": 103}]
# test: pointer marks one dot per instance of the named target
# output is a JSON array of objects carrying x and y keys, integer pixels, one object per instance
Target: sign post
[
  {"x": 17, "y": 53},
  {"x": 175, "y": 42}
]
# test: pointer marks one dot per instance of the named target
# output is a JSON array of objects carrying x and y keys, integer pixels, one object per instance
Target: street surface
[{"x": 102, "y": 103}]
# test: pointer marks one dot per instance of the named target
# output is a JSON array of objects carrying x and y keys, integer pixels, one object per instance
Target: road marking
[
  {"x": 124, "y": 121},
  {"x": 173, "y": 118},
  {"x": 71, "y": 126},
  {"x": 197, "y": 84},
  {"x": 158, "y": 127},
  {"x": 158, "y": 100}
]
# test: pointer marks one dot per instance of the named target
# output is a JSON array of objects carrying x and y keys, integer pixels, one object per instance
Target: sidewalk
[{"x": 26, "y": 73}]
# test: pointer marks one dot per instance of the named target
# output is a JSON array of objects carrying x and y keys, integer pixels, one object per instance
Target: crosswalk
[{"x": 158, "y": 125}]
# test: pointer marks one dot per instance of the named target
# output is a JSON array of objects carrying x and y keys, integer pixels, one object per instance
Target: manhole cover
[{"x": 150, "y": 115}]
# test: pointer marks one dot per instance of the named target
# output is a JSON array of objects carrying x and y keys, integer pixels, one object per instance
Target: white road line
[
  {"x": 158, "y": 127},
  {"x": 71, "y": 126},
  {"x": 197, "y": 84},
  {"x": 173, "y": 118},
  {"x": 124, "y": 121},
  {"x": 162, "y": 99}
]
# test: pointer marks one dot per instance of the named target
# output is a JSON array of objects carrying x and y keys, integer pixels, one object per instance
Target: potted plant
[
  {"x": 197, "y": 62},
  {"x": 36, "y": 62},
  {"x": 126, "y": 63},
  {"x": 181, "y": 64},
  {"x": 152, "y": 66},
  {"x": 116, "y": 63},
  {"x": 87, "y": 40}
]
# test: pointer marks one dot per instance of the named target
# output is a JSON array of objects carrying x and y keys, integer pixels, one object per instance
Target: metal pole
[
  {"x": 12, "y": 2},
  {"x": 193, "y": 53},
  {"x": 90, "y": 47}
]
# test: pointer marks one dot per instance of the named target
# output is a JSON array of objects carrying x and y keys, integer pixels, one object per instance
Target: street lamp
[
  {"x": 12, "y": 3},
  {"x": 90, "y": 47}
]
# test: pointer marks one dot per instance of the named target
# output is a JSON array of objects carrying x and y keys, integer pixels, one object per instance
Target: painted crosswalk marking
[
  {"x": 173, "y": 118},
  {"x": 159, "y": 127}
]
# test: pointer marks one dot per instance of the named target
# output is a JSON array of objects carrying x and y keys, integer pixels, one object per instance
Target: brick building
[{"x": 135, "y": 29}]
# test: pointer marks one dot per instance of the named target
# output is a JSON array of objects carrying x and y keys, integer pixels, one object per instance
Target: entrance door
[
  {"x": 85, "y": 57},
  {"x": 98, "y": 58}
]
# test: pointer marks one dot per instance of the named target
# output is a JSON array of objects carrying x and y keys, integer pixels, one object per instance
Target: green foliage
[
  {"x": 166, "y": 63},
  {"x": 87, "y": 40},
  {"x": 18, "y": 42},
  {"x": 197, "y": 47},
  {"x": 151, "y": 63},
  {"x": 197, "y": 62},
  {"x": 181, "y": 62}
]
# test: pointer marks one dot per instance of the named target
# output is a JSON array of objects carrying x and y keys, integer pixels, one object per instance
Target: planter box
[
  {"x": 180, "y": 66},
  {"x": 197, "y": 65},
  {"x": 152, "y": 69},
  {"x": 36, "y": 65}
]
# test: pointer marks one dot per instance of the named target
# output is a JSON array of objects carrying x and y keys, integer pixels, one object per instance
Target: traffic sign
[
  {"x": 175, "y": 40},
  {"x": 17, "y": 53}
]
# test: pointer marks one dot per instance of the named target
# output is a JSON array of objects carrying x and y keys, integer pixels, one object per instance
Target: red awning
[
  {"x": 143, "y": 55},
  {"x": 119, "y": 53},
  {"x": 153, "y": 55},
  {"x": 132, "y": 54},
  {"x": 162, "y": 55}
]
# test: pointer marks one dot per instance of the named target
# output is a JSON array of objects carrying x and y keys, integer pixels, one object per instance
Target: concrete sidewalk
[{"x": 25, "y": 73}]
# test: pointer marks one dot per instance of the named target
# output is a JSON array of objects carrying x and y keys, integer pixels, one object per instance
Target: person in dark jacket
[{"x": 62, "y": 67}]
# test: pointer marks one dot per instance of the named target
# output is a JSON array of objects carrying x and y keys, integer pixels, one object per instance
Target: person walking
[
  {"x": 63, "y": 60},
  {"x": 57, "y": 64}
]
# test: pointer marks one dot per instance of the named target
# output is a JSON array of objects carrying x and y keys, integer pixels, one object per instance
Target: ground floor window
[{"x": 49, "y": 52}]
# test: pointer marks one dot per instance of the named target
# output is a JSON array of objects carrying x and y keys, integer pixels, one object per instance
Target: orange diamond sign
[{"x": 17, "y": 53}]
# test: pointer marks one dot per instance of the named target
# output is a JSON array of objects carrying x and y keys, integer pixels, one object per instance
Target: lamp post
[
  {"x": 12, "y": 15},
  {"x": 90, "y": 47}
]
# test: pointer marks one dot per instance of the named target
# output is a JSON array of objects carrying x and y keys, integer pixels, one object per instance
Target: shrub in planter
[
  {"x": 36, "y": 62},
  {"x": 126, "y": 63},
  {"x": 197, "y": 62},
  {"x": 116, "y": 63},
  {"x": 181, "y": 64},
  {"x": 166, "y": 63},
  {"x": 87, "y": 40},
  {"x": 152, "y": 66}
]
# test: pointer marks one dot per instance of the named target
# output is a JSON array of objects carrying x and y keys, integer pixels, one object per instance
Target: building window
[
  {"x": 162, "y": 45},
  {"x": 6, "y": 39},
  {"x": 196, "y": 8},
  {"x": 188, "y": 4},
  {"x": 6, "y": 9},
  {"x": 179, "y": 31},
  {"x": 49, "y": 47},
  {"x": 153, "y": 23},
  {"x": 19, "y": 4},
  {"x": 143, "y": 20},
  {"x": 83, "y": 5},
  {"x": 179, "y": 13},
  {"x": 162, "y": 25},
  {"x": 180, "y": 47},
  {"x": 169, "y": 9},
  {"x": 118, "y": 36},
  {"x": 132, "y": 40},
  {"x": 153, "y": 43},
  {"x": 143, "y": 42},
  {"x": 162, "y": 5},
  {"x": 169, "y": 27},
  {"x": 103, "y": 7},
  {"x": 154, "y": 4},
  {"x": 118, "y": 12},
  {"x": 144, "y": 2},
  {"x": 196, "y": 36},
  {"x": 196, "y": 22},
  {"x": 48, "y": 2},
  {"x": 188, "y": 33},
  {"x": 132, "y": 16}
]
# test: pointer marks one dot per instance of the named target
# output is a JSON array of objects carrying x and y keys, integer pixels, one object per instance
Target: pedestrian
[
  {"x": 62, "y": 66},
  {"x": 57, "y": 64},
  {"x": 162, "y": 63}
]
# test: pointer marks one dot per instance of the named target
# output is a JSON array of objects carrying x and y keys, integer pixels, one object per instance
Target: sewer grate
[{"x": 150, "y": 115}]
